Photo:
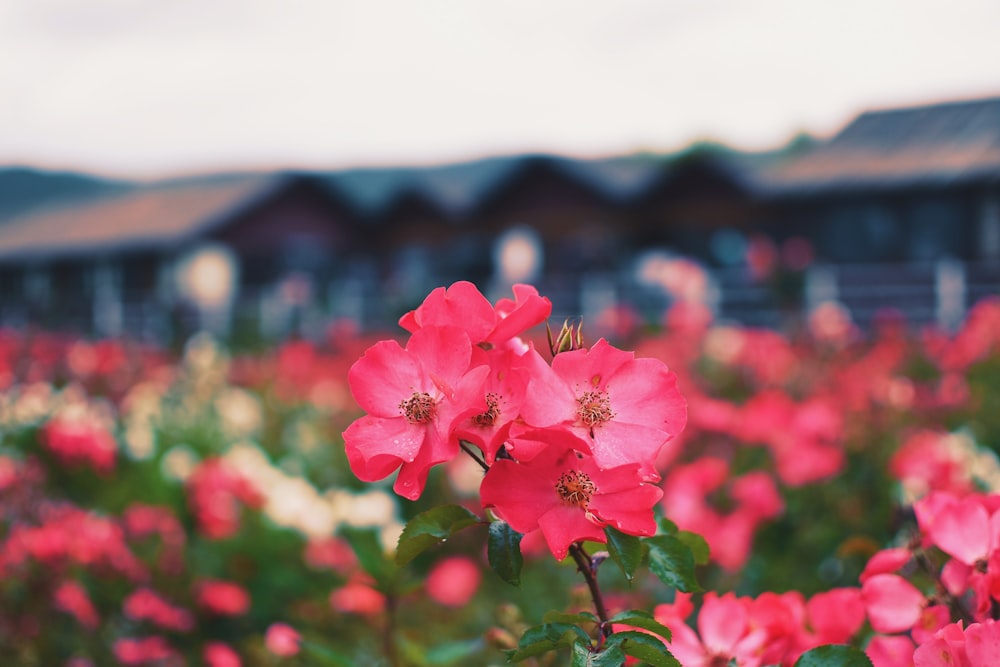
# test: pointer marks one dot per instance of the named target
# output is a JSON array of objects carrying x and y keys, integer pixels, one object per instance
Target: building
[{"x": 902, "y": 208}]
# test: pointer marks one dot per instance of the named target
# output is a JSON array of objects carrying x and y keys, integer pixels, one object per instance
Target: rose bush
[{"x": 205, "y": 510}]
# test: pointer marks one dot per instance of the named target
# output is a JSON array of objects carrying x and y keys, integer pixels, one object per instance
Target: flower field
[{"x": 750, "y": 494}]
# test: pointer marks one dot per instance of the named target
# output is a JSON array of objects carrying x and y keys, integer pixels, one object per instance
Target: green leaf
[
  {"x": 641, "y": 619},
  {"x": 834, "y": 655},
  {"x": 326, "y": 655},
  {"x": 625, "y": 550},
  {"x": 504, "y": 552},
  {"x": 367, "y": 547},
  {"x": 611, "y": 656},
  {"x": 672, "y": 562},
  {"x": 697, "y": 544},
  {"x": 668, "y": 526},
  {"x": 555, "y": 616},
  {"x": 430, "y": 528},
  {"x": 453, "y": 652},
  {"x": 645, "y": 647},
  {"x": 546, "y": 637}
]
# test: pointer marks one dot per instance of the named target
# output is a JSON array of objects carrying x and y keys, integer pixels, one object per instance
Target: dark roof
[
  {"x": 145, "y": 218},
  {"x": 936, "y": 145}
]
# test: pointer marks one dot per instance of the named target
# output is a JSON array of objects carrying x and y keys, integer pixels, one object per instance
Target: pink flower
[
  {"x": 223, "y": 598},
  {"x": 217, "y": 654},
  {"x": 81, "y": 440},
  {"x": 564, "y": 493},
  {"x": 886, "y": 561},
  {"x": 357, "y": 597},
  {"x": 282, "y": 640},
  {"x": 216, "y": 493},
  {"x": 726, "y": 633},
  {"x": 624, "y": 409},
  {"x": 836, "y": 615},
  {"x": 976, "y": 646},
  {"x": 890, "y": 651},
  {"x": 463, "y": 305},
  {"x": 453, "y": 581},
  {"x": 413, "y": 397},
  {"x": 147, "y": 605},
  {"x": 71, "y": 598},
  {"x": 503, "y": 392},
  {"x": 893, "y": 604},
  {"x": 966, "y": 531},
  {"x": 141, "y": 651}
]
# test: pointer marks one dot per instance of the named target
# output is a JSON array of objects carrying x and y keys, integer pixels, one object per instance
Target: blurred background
[{"x": 261, "y": 170}]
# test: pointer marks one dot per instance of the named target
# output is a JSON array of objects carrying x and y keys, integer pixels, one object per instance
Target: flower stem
[
  {"x": 467, "y": 447},
  {"x": 588, "y": 569}
]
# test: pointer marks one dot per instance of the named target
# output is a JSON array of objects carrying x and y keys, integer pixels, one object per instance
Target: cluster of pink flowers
[
  {"x": 570, "y": 446},
  {"x": 81, "y": 440},
  {"x": 216, "y": 494}
]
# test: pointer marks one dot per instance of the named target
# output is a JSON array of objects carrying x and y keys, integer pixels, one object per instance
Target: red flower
[
  {"x": 564, "y": 493},
  {"x": 413, "y": 397}
]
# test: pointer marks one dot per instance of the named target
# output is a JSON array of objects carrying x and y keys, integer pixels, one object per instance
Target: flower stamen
[
  {"x": 594, "y": 408},
  {"x": 489, "y": 417},
  {"x": 419, "y": 408},
  {"x": 575, "y": 488}
]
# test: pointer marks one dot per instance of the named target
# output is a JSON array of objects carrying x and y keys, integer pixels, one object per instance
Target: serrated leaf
[
  {"x": 626, "y": 550},
  {"x": 611, "y": 656},
  {"x": 504, "y": 552},
  {"x": 546, "y": 637},
  {"x": 430, "y": 528},
  {"x": 645, "y": 647},
  {"x": 642, "y": 619},
  {"x": 367, "y": 547},
  {"x": 834, "y": 655},
  {"x": 672, "y": 562},
  {"x": 555, "y": 616},
  {"x": 697, "y": 544}
]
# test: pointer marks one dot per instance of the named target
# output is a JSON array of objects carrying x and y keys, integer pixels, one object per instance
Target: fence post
[
  {"x": 821, "y": 286},
  {"x": 949, "y": 292}
]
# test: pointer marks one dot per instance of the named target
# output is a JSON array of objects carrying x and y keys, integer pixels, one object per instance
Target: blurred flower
[
  {"x": 71, "y": 598},
  {"x": 453, "y": 581},
  {"x": 222, "y": 598},
  {"x": 218, "y": 654},
  {"x": 146, "y": 650},
  {"x": 147, "y": 605},
  {"x": 282, "y": 640},
  {"x": 357, "y": 597}
]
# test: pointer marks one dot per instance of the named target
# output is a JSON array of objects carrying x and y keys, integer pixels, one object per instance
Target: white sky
[{"x": 156, "y": 87}]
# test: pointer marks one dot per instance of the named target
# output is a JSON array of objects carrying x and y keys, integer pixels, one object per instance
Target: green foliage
[
  {"x": 430, "y": 528},
  {"x": 547, "y": 637},
  {"x": 834, "y": 655},
  {"x": 610, "y": 656},
  {"x": 504, "y": 552},
  {"x": 672, "y": 561},
  {"x": 626, "y": 550},
  {"x": 641, "y": 619},
  {"x": 644, "y": 647},
  {"x": 367, "y": 547}
]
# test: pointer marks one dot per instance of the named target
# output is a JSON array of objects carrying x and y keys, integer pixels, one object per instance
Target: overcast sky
[{"x": 157, "y": 87}]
